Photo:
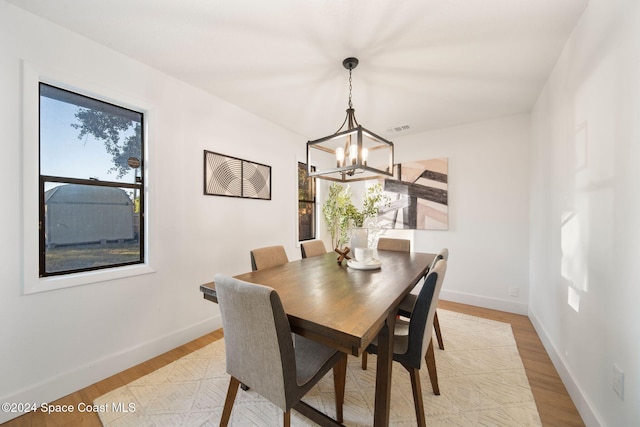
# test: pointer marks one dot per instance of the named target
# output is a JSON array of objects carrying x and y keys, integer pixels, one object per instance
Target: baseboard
[
  {"x": 73, "y": 380},
  {"x": 485, "y": 302},
  {"x": 583, "y": 405}
]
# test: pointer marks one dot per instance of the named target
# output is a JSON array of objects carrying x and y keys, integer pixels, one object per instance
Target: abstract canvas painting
[
  {"x": 419, "y": 196},
  {"x": 229, "y": 176}
]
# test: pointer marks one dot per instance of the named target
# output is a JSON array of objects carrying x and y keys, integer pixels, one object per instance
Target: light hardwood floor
[{"x": 554, "y": 404}]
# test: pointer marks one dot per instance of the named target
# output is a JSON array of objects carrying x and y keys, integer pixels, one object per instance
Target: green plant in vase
[
  {"x": 341, "y": 215},
  {"x": 335, "y": 211},
  {"x": 373, "y": 200}
]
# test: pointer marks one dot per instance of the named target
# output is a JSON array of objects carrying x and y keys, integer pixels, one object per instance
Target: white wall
[
  {"x": 585, "y": 212},
  {"x": 53, "y": 343},
  {"x": 488, "y": 236},
  {"x": 488, "y": 209}
]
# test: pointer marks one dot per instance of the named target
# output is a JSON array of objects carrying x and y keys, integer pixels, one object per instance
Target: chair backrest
[
  {"x": 312, "y": 248},
  {"x": 398, "y": 245},
  {"x": 258, "y": 344},
  {"x": 421, "y": 322},
  {"x": 443, "y": 254},
  {"x": 268, "y": 257}
]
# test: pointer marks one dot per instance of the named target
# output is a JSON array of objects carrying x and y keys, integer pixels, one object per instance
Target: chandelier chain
[{"x": 350, "y": 104}]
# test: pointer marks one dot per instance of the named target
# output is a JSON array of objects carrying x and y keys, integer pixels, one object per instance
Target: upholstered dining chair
[
  {"x": 312, "y": 248},
  {"x": 389, "y": 244},
  {"x": 269, "y": 256},
  {"x": 398, "y": 245},
  {"x": 253, "y": 318},
  {"x": 406, "y": 306},
  {"x": 412, "y": 340},
  {"x": 266, "y": 257}
]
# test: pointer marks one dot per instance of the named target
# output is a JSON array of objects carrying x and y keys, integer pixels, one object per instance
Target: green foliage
[
  {"x": 339, "y": 211},
  {"x": 114, "y": 131},
  {"x": 374, "y": 199},
  {"x": 335, "y": 213}
]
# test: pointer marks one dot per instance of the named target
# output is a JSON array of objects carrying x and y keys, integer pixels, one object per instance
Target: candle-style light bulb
[
  {"x": 365, "y": 154},
  {"x": 353, "y": 154},
  {"x": 339, "y": 156}
]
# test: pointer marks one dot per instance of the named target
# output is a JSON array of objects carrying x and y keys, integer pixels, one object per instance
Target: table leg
[{"x": 383, "y": 372}]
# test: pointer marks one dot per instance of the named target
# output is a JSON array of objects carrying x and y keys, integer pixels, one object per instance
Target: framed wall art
[
  {"x": 233, "y": 177},
  {"x": 419, "y": 196}
]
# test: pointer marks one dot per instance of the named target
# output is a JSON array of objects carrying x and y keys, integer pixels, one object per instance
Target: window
[
  {"x": 306, "y": 204},
  {"x": 91, "y": 182}
]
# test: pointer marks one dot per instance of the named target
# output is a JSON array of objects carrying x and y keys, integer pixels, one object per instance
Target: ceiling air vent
[{"x": 398, "y": 129}]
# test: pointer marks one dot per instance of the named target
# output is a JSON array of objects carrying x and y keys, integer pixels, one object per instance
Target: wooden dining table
[{"x": 345, "y": 308}]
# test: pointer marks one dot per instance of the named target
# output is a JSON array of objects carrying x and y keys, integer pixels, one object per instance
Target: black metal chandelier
[{"x": 351, "y": 154}]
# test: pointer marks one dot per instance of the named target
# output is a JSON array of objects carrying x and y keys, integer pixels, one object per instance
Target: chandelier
[{"x": 352, "y": 153}]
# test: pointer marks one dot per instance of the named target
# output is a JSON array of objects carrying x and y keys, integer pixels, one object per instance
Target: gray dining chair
[
  {"x": 412, "y": 340},
  {"x": 260, "y": 351},
  {"x": 312, "y": 248},
  {"x": 406, "y": 306},
  {"x": 269, "y": 256},
  {"x": 388, "y": 244}
]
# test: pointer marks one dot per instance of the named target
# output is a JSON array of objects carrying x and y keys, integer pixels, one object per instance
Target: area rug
[{"x": 481, "y": 377}]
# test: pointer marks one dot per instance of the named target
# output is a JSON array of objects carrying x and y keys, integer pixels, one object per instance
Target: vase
[{"x": 359, "y": 238}]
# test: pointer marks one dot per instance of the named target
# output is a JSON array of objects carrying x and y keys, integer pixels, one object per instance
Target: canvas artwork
[
  {"x": 419, "y": 196},
  {"x": 229, "y": 176}
]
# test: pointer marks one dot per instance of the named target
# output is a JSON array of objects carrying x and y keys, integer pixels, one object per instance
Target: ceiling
[{"x": 425, "y": 64}]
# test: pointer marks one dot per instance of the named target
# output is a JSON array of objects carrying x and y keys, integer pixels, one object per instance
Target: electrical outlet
[
  {"x": 618, "y": 382},
  {"x": 514, "y": 291}
]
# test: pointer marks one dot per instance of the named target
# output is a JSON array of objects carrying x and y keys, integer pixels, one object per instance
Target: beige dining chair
[
  {"x": 406, "y": 306},
  {"x": 312, "y": 248},
  {"x": 253, "y": 318},
  {"x": 412, "y": 340},
  {"x": 269, "y": 256},
  {"x": 398, "y": 245}
]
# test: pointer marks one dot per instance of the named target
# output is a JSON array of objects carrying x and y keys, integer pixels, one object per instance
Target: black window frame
[
  {"x": 138, "y": 187},
  {"x": 302, "y": 168}
]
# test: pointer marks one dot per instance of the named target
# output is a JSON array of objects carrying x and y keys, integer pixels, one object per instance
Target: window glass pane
[
  {"x": 91, "y": 181},
  {"x": 306, "y": 185},
  {"x": 89, "y": 226},
  {"x": 306, "y": 204},
  {"x": 84, "y": 138},
  {"x": 306, "y": 221}
]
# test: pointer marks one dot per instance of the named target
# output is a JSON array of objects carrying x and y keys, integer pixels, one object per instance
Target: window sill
[{"x": 52, "y": 283}]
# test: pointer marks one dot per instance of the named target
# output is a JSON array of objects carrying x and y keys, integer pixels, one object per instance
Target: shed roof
[{"x": 88, "y": 194}]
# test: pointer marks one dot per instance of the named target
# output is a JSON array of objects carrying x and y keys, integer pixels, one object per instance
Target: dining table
[{"x": 344, "y": 308}]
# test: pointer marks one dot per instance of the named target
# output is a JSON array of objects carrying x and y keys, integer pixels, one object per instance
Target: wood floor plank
[{"x": 554, "y": 404}]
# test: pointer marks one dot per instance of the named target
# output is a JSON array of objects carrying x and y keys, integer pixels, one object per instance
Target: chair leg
[
  {"x": 436, "y": 326},
  {"x": 228, "y": 403},
  {"x": 430, "y": 360},
  {"x": 417, "y": 395},
  {"x": 286, "y": 422},
  {"x": 339, "y": 381},
  {"x": 364, "y": 360}
]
